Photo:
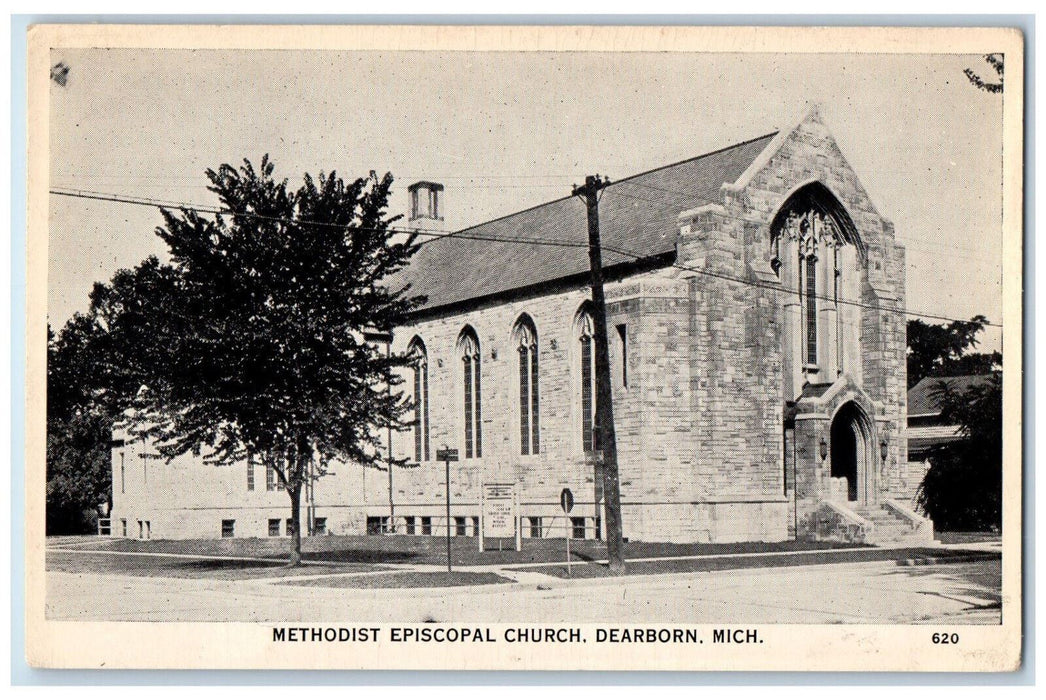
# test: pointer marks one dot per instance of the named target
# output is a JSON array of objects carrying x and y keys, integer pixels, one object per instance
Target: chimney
[{"x": 426, "y": 207}]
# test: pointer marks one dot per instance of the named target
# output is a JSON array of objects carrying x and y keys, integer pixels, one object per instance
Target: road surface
[{"x": 877, "y": 592}]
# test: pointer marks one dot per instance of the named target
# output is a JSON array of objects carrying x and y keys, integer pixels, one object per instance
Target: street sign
[
  {"x": 446, "y": 455},
  {"x": 566, "y": 500}
]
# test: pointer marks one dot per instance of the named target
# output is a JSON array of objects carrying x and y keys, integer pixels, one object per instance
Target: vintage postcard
[{"x": 524, "y": 348}]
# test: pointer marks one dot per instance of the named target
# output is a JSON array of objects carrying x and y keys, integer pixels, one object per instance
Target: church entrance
[{"x": 849, "y": 445}]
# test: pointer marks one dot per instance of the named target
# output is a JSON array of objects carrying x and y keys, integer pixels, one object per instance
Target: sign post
[
  {"x": 566, "y": 501},
  {"x": 482, "y": 516},
  {"x": 518, "y": 522},
  {"x": 447, "y": 455}
]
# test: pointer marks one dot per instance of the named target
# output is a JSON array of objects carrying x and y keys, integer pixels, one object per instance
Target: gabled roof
[
  {"x": 637, "y": 214},
  {"x": 921, "y": 396},
  {"x": 919, "y": 447}
]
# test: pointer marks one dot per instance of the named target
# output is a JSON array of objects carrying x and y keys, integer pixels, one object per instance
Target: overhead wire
[{"x": 465, "y": 234}]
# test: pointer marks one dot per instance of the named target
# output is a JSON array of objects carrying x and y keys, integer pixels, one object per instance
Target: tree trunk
[{"x": 295, "y": 493}]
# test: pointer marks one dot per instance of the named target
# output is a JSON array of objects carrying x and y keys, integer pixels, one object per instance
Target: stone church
[{"x": 758, "y": 368}]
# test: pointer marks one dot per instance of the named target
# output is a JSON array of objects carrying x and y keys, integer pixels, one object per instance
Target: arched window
[
  {"x": 584, "y": 328},
  {"x": 818, "y": 225},
  {"x": 420, "y": 363},
  {"x": 468, "y": 348},
  {"x": 526, "y": 340}
]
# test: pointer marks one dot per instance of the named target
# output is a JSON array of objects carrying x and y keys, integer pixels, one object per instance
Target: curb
[{"x": 934, "y": 561}]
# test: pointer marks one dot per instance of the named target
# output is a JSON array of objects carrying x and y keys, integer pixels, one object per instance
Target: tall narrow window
[
  {"x": 837, "y": 275},
  {"x": 527, "y": 349},
  {"x": 588, "y": 376},
  {"x": 622, "y": 333},
  {"x": 122, "y": 475},
  {"x": 472, "y": 414},
  {"x": 421, "y": 399},
  {"x": 811, "y": 310},
  {"x": 250, "y": 473},
  {"x": 270, "y": 478}
]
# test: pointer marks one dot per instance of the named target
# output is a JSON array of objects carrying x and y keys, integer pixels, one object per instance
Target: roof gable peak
[{"x": 811, "y": 115}]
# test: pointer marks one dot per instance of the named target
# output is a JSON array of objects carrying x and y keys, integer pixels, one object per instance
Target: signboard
[
  {"x": 446, "y": 455},
  {"x": 566, "y": 500},
  {"x": 499, "y": 510}
]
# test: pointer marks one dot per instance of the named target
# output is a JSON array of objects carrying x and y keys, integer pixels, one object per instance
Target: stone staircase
[{"x": 893, "y": 524}]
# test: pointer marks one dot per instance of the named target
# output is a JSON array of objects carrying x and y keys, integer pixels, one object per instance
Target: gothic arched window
[
  {"x": 817, "y": 225},
  {"x": 584, "y": 328},
  {"x": 468, "y": 349},
  {"x": 420, "y": 364},
  {"x": 526, "y": 341}
]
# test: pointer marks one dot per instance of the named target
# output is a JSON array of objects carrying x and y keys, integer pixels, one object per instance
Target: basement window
[
  {"x": 274, "y": 527},
  {"x": 319, "y": 526},
  {"x": 535, "y": 526},
  {"x": 577, "y": 528},
  {"x": 228, "y": 528}
]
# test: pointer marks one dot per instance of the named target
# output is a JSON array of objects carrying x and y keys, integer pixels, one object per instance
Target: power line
[
  {"x": 432, "y": 234},
  {"x": 435, "y": 235},
  {"x": 924, "y": 245},
  {"x": 907, "y": 241}
]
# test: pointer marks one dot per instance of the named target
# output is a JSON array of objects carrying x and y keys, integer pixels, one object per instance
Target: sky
[{"x": 505, "y": 131}]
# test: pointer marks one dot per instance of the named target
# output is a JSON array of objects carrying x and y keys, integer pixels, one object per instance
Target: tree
[
  {"x": 941, "y": 350},
  {"x": 996, "y": 61},
  {"x": 962, "y": 489},
  {"x": 91, "y": 377},
  {"x": 78, "y": 473},
  {"x": 250, "y": 344}
]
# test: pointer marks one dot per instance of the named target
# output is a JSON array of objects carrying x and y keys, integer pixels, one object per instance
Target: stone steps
[{"x": 890, "y": 528}]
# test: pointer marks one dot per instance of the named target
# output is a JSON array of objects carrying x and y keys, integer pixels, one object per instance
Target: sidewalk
[{"x": 544, "y": 573}]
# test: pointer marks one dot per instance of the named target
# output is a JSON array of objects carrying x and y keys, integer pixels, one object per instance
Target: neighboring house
[
  {"x": 750, "y": 402},
  {"x": 926, "y": 430}
]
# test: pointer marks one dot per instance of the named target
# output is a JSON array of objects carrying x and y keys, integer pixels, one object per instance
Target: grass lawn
[
  {"x": 402, "y": 549},
  {"x": 226, "y": 569},
  {"x": 967, "y": 537},
  {"x": 406, "y": 579},
  {"x": 669, "y": 566}
]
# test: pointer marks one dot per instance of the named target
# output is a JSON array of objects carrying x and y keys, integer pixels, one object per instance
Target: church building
[{"x": 757, "y": 357}]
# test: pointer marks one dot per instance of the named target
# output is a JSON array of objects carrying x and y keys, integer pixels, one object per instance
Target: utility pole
[
  {"x": 604, "y": 394},
  {"x": 386, "y": 337}
]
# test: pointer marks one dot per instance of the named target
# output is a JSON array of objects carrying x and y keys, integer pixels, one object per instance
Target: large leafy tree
[
  {"x": 78, "y": 472},
  {"x": 939, "y": 350},
  {"x": 92, "y": 374},
  {"x": 962, "y": 489},
  {"x": 252, "y": 345}
]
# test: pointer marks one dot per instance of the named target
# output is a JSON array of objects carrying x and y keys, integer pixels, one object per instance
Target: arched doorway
[{"x": 850, "y": 434}]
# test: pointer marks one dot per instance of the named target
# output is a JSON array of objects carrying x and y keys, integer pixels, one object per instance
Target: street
[{"x": 872, "y": 592}]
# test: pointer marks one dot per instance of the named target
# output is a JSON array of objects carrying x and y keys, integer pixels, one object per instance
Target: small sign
[
  {"x": 566, "y": 500},
  {"x": 447, "y": 455},
  {"x": 499, "y": 510}
]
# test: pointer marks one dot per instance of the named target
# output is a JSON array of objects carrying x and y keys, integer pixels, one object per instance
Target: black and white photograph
[{"x": 525, "y": 348}]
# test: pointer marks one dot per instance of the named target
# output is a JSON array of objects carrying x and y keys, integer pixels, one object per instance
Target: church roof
[
  {"x": 637, "y": 214},
  {"x": 922, "y": 397}
]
